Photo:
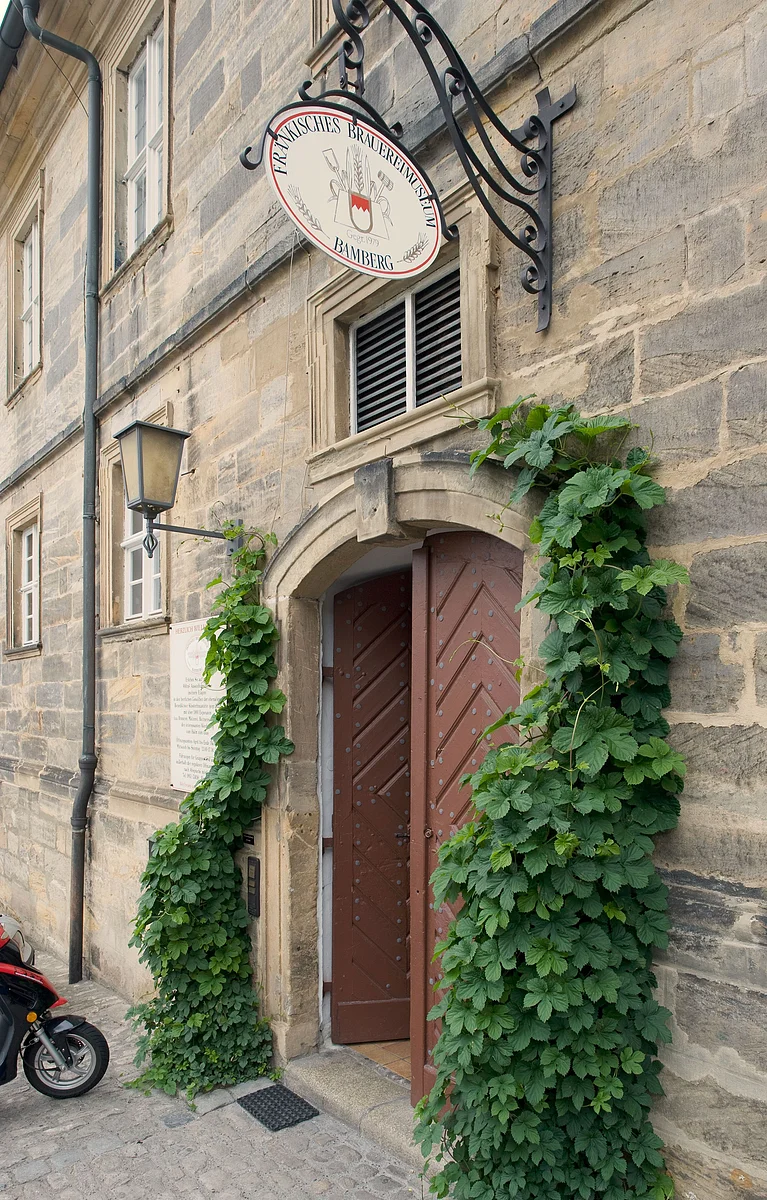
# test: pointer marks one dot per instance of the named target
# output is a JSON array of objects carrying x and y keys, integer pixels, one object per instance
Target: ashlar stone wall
[{"x": 660, "y": 308}]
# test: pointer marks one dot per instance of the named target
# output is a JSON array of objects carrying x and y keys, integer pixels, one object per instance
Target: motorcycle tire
[{"x": 90, "y": 1058}]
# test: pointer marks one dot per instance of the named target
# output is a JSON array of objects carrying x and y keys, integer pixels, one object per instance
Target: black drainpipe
[{"x": 88, "y": 758}]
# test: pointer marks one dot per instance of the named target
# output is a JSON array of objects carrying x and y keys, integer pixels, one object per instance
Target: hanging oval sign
[{"x": 353, "y": 192}]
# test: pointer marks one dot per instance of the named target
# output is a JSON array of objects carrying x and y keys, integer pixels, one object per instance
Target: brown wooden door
[
  {"x": 465, "y": 590},
  {"x": 370, "y": 996}
]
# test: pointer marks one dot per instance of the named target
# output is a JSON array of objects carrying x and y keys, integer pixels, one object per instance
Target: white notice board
[{"x": 192, "y": 704}]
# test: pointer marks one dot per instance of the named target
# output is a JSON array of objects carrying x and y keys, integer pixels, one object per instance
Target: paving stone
[{"x": 118, "y": 1144}]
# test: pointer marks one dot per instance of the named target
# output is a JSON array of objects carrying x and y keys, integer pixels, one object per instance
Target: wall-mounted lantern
[{"x": 151, "y": 464}]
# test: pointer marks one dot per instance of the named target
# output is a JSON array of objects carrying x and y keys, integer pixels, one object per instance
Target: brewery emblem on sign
[{"x": 353, "y": 192}]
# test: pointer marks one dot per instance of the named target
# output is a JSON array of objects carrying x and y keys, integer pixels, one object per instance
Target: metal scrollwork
[
  {"x": 493, "y": 181},
  {"x": 482, "y": 141}
]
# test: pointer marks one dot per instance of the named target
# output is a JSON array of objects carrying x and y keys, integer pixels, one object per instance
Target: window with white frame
[
  {"x": 26, "y": 299},
  {"x": 408, "y": 353},
  {"x": 142, "y": 575},
  {"x": 29, "y": 586},
  {"x": 30, "y": 298},
  {"x": 145, "y": 173},
  {"x": 22, "y": 547}
]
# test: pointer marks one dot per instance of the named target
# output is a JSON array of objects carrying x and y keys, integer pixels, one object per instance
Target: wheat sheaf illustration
[
  {"x": 417, "y": 250},
  {"x": 305, "y": 212}
]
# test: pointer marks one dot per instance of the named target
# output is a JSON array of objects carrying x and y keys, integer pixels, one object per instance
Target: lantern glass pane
[
  {"x": 161, "y": 450},
  {"x": 129, "y": 453}
]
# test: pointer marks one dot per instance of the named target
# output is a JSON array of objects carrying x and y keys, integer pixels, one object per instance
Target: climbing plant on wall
[
  {"x": 547, "y": 1056},
  {"x": 202, "y": 1028}
]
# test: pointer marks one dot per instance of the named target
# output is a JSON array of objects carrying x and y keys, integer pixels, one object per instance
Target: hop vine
[
  {"x": 547, "y": 1058},
  {"x": 203, "y": 1029}
]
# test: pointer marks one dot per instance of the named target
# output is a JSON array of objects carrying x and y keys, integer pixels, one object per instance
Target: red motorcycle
[{"x": 62, "y": 1055}]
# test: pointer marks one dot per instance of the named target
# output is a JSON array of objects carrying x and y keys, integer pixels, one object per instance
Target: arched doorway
[
  {"x": 423, "y": 662},
  {"x": 429, "y": 494}
]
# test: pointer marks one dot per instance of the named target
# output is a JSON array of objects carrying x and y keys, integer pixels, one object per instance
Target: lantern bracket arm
[{"x": 151, "y": 543}]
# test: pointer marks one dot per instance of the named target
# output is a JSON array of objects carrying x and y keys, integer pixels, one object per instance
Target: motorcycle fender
[{"x": 58, "y": 1027}]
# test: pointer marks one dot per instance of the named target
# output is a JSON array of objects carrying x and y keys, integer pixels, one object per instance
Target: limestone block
[
  {"x": 735, "y": 1126},
  {"x": 683, "y": 427},
  {"x": 72, "y": 210},
  {"x": 645, "y": 272},
  {"x": 723, "y": 1019},
  {"x": 700, "y": 681},
  {"x": 712, "y": 929},
  {"x": 706, "y": 336},
  {"x": 205, "y": 96},
  {"x": 610, "y": 367},
  {"x": 729, "y": 502},
  {"x": 718, "y": 86},
  {"x": 760, "y": 668},
  {"x": 250, "y": 80},
  {"x": 716, "y": 249},
  {"x": 727, "y": 587},
  {"x": 193, "y": 36},
  {"x": 747, "y": 405},
  {"x": 756, "y": 51},
  {"x": 687, "y": 180},
  {"x": 374, "y": 492},
  {"x": 725, "y": 765}
]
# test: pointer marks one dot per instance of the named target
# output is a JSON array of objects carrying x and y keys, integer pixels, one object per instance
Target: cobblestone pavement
[{"x": 116, "y": 1144}]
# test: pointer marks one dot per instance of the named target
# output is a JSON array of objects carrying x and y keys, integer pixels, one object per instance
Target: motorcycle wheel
[{"x": 90, "y": 1059}]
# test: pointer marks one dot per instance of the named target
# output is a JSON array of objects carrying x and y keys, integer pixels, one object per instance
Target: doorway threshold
[{"x": 361, "y": 1093}]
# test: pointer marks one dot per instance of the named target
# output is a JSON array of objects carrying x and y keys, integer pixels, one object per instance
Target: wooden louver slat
[
  {"x": 438, "y": 339},
  {"x": 381, "y": 368}
]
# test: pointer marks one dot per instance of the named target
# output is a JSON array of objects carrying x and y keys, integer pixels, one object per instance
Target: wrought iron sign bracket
[{"x": 486, "y": 147}]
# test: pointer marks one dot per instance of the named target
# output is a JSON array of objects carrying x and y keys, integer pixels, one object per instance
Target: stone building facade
[{"x": 218, "y": 318}]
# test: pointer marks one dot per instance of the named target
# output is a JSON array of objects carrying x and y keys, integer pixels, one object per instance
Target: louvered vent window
[{"x": 408, "y": 354}]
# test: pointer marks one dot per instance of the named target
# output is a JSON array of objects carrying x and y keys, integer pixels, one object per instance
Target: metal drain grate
[{"x": 277, "y": 1107}]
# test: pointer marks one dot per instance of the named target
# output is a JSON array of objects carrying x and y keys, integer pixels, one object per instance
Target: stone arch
[{"x": 428, "y": 492}]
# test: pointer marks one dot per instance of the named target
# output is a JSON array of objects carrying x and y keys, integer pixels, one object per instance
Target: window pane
[
  {"x": 28, "y": 270},
  {"x": 160, "y": 80},
  {"x": 136, "y": 597},
  {"x": 28, "y": 344},
  {"x": 160, "y": 206},
  {"x": 139, "y": 208},
  {"x": 136, "y": 565},
  {"x": 139, "y": 110},
  {"x": 135, "y": 520},
  {"x": 156, "y": 603}
]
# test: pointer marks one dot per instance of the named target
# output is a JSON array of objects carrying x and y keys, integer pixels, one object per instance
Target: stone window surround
[
  {"x": 28, "y": 207},
  {"x": 30, "y": 513},
  {"x": 333, "y": 309},
  {"x": 112, "y": 556},
  {"x": 129, "y": 31}
]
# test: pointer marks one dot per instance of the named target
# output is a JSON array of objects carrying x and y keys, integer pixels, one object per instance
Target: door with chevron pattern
[
  {"x": 465, "y": 639},
  {"x": 370, "y": 997}
]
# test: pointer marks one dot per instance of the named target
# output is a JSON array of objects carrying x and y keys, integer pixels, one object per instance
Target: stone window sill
[
  {"x": 131, "y": 630},
  {"x": 157, "y": 238},
  {"x": 20, "y": 388},
  {"x": 24, "y": 651},
  {"x": 473, "y": 401}
]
